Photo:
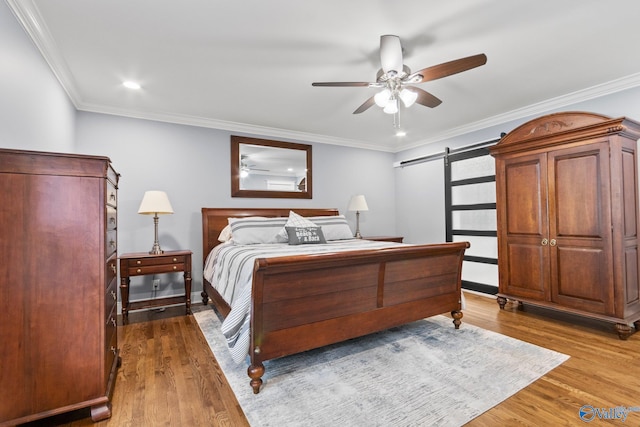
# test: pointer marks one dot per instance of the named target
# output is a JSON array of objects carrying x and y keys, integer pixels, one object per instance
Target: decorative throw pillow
[
  {"x": 334, "y": 227},
  {"x": 254, "y": 230},
  {"x": 295, "y": 220},
  {"x": 305, "y": 235}
]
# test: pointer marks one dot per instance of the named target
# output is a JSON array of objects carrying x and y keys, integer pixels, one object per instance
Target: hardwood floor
[{"x": 169, "y": 377}]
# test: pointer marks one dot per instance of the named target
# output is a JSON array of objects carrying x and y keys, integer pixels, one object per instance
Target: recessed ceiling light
[
  {"x": 401, "y": 133},
  {"x": 131, "y": 85}
]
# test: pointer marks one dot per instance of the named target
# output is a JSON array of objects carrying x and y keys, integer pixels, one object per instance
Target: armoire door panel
[
  {"x": 525, "y": 196},
  {"x": 527, "y": 275},
  {"x": 579, "y": 192},
  {"x": 629, "y": 195},
  {"x": 581, "y": 273},
  {"x": 631, "y": 276}
]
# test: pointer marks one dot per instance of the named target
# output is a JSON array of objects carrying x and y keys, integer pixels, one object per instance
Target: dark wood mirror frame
[{"x": 236, "y": 141}]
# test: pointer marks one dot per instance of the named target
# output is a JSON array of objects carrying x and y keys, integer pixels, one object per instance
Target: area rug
[{"x": 426, "y": 373}]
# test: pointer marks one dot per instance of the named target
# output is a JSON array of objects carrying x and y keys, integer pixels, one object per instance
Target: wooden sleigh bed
[{"x": 344, "y": 296}]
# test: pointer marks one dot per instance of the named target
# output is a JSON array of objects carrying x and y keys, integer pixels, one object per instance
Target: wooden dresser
[
  {"x": 568, "y": 216},
  {"x": 58, "y": 224}
]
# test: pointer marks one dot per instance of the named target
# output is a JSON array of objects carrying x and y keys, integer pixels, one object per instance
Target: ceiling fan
[
  {"x": 396, "y": 79},
  {"x": 246, "y": 169}
]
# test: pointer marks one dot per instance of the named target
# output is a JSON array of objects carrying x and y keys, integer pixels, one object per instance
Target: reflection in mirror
[{"x": 264, "y": 168}]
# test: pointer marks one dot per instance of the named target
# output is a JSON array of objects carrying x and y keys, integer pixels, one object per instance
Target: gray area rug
[{"x": 422, "y": 374}]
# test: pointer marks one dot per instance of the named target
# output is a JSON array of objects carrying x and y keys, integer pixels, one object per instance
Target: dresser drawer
[
  {"x": 112, "y": 175},
  {"x": 112, "y": 269},
  {"x": 111, "y": 342},
  {"x": 112, "y": 194},
  {"x": 111, "y": 297},
  {"x": 112, "y": 218},
  {"x": 111, "y": 242}
]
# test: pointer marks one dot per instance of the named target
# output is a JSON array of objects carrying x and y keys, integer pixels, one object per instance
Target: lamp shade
[
  {"x": 155, "y": 202},
  {"x": 358, "y": 203}
]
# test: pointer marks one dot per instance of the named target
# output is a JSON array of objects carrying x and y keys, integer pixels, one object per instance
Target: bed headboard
[{"x": 215, "y": 219}]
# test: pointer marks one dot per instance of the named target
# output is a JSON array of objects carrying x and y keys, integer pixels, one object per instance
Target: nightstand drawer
[
  {"x": 156, "y": 260},
  {"x": 155, "y": 269}
]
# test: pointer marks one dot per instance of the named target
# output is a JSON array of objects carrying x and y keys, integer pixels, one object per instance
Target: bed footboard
[{"x": 309, "y": 301}]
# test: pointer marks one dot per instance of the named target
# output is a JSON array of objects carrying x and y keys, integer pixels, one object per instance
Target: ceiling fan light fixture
[
  {"x": 408, "y": 97},
  {"x": 391, "y": 107},
  {"x": 382, "y": 98}
]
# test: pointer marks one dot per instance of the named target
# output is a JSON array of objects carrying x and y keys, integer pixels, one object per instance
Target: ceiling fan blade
[
  {"x": 390, "y": 53},
  {"x": 425, "y": 98},
  {"x": 448, "y": 68},
  {"x": 365, "y": 106},
  {"x": 340, "y": 84}
]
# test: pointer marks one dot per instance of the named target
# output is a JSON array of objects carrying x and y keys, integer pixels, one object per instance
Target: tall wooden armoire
[
  {"x": 568, "y": 220},
  {"x": 58, "y": 329}
]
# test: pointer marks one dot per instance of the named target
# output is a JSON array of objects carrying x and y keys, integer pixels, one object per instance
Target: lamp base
[
  {"x": 156, "y": 251},
  {"x": 358, "y": 235}
]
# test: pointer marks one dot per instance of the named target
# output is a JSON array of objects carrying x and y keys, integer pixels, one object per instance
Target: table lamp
[
  {"x": 155, "y": 203},
  {"x": 358, "y": 204}
]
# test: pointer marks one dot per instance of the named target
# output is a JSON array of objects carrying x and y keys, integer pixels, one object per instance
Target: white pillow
[
  {"x": 333, "y": 227},
  {"x": 225, "y": 234},
  {"x": 254, "y": 230},
  {"x": 294, "y": 220}
]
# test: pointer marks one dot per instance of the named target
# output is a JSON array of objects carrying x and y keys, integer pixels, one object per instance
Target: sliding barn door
[{"x": 470, "y": 201}]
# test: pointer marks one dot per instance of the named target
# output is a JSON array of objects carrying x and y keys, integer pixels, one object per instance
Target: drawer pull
[
  {"x": 113, "y": 350},
  {"x": 112, "y": 220},
  {"x": 113, "y": 322},
  {"x": 114, "y": 296},
  {"x": 112, "y": 243},
  {"x": 552, "y": 242},
  {"x": 175, "y": 267},
  {"x": 113, "y": 268},
  {"x": 545, "y": 242},
  {"x": 112, "y": 196},
  {"x": 138, "y": 271},
  {"x": 175, "y": 260},
  {"x": 138, "y": 262}
]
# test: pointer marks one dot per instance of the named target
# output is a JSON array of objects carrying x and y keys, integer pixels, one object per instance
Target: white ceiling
[{"x": 247, "y": 66}]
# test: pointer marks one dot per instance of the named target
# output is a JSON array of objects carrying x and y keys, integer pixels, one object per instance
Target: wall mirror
[{"x": 270, "y": 169}]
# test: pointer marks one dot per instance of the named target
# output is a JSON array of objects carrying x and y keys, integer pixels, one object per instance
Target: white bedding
[{"x": 229, "y": 269}]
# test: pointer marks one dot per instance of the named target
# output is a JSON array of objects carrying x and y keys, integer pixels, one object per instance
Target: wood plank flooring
[{"x": 169, "y": 377}]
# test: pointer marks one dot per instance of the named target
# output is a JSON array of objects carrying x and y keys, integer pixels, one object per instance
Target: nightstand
[
  {"x": 142, "y": 264},
  {"x": 397, "y": 239}
]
